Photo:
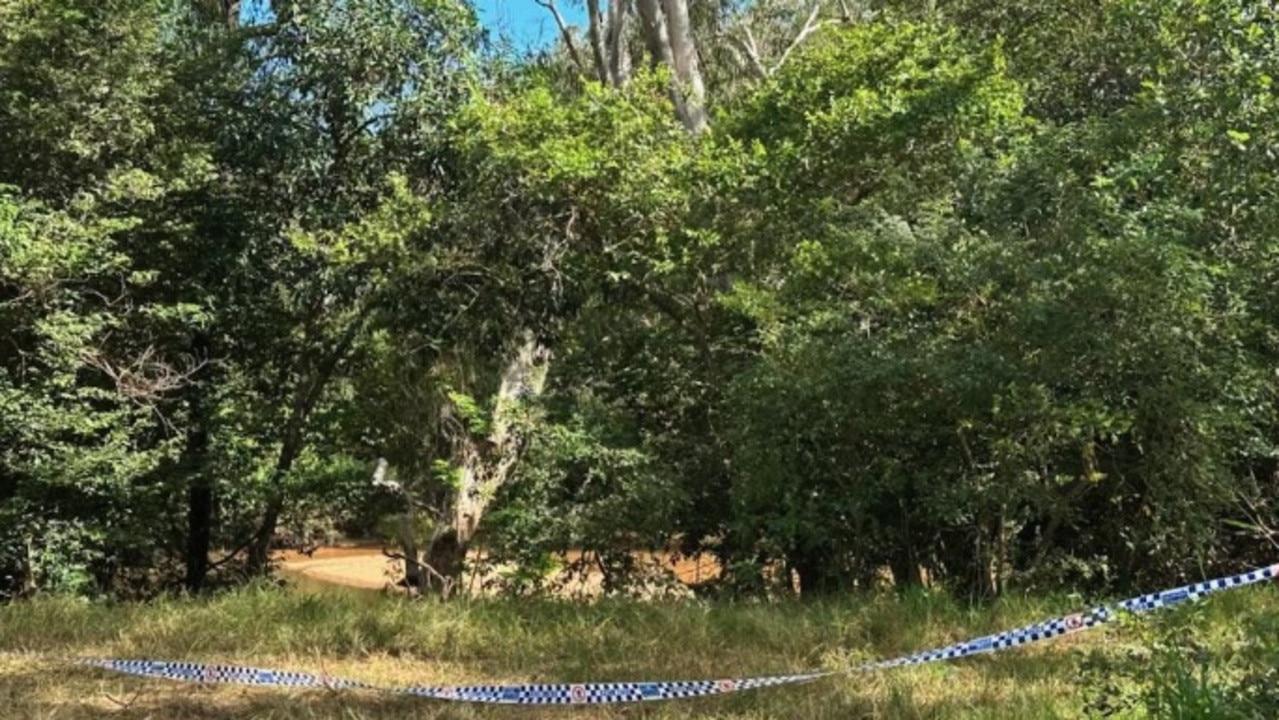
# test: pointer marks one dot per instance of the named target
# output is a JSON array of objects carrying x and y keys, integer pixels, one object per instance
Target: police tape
[{"x": 629, "y": 692}]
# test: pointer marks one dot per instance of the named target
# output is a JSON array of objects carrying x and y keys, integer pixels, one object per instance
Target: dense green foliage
[{"x": 970, "y": 295}]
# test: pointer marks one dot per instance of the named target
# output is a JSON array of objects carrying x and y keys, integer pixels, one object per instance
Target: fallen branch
[{"x": 446, "y": 584}]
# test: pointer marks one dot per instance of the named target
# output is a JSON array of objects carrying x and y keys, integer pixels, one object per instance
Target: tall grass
[{"x": 387, "y": 640}]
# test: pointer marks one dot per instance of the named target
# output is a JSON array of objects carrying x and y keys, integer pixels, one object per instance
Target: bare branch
[
  {"x": 809, "y": 26},
  {"x": 751, "y": 48},
  {"x": 564, "y": 33},
  {"x": 123, "y": 705},
  {"x": 446, "y": 583},
  {"x": 730, "y": 45},
  {"x": 746, "y": 49},
  {"x": 233, "y": 554},
  {"x": 844, "y": 14},
  {"x": 144, "y": 380},
  {"x": 1253, "y": 513}
]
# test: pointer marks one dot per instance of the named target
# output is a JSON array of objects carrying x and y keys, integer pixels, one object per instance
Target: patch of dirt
[
  {"x": 367, "y": 568},
  {"x": 356, "y": 567}
]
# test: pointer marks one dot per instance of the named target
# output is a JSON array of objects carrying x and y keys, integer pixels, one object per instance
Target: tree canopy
[{"x": 964, "y": 292}]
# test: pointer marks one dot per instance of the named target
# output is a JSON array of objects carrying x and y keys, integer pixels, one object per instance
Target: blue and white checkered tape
[{"x": 628, "y": 692}]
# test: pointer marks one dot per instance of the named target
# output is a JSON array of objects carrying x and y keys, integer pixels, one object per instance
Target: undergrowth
[{"x": 1216, "y": 659}]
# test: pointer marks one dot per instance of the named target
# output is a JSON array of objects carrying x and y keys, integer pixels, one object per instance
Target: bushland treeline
[{"x": 983, "y": 293}]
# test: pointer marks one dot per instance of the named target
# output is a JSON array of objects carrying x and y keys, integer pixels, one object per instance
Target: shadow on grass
[{"x": 1048, "y": 666}]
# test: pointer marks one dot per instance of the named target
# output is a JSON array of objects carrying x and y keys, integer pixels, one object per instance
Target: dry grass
[{"x": 387, "y": 640}]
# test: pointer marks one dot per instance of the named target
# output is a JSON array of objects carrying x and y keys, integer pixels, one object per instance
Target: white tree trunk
[
  {"x": 618, "y": 50},
  {"x": 668, "y": 35},
  {"x": 679, "y": 54},
  {"x": 485, "y": 464},
  {"x": 436, "y": 564},
  {"x": 684, "y": 61},
  {"x": 485, "y": 469},
  {"x": 595, "y": 31}
]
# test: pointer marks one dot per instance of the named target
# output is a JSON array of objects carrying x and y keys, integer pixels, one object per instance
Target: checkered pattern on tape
[
  {"x": 602, "y": 693},
  {"x": 228, "y": 674},
  {"x": 1072, "y": 623},
  {"x": 1166, "y": 598},
  {"x": 989, "y": 643}
]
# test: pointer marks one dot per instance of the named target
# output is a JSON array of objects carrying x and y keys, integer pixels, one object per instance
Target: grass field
[{"x": 365, "y": 635}]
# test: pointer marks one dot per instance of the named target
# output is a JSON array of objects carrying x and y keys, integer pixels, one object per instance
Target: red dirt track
[{"x": 368, "y": 568}]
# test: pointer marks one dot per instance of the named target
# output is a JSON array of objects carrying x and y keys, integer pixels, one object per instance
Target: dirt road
[
  {"x": 357, "y": 567},
  {"x": 368, "y": 568}
]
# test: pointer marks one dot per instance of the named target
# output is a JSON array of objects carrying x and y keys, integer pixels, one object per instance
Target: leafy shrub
[{"x": 1176, "y": 669}]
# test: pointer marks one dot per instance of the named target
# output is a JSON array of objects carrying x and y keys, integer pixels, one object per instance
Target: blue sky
[{"x": 528, "y": 24}]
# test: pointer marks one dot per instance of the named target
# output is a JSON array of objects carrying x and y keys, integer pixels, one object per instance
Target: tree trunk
[
  {"x": 29, "y": 586},
  {"x": 485, "y": 471},
  {"x": 820, "y": 572},
  {"x": 812, "y": 576},
  {"x": 607, "y": 34},
  {"x": 408, "y": 545},
  {"x": 655, "y": 37},
  {"x": 595, "y": 31},
  {"x": 904, "y": 561},
  {"x": 619, "y": 51},
  {"x": 260, "y": 550},
  {"x": 686, "y": 65},
  {"x": 905, "y": 569},
  {"x": 446, "y": 559},
  {"x": 1001, "y": 560},
  {"x": 200, "y": 498},
  {"x": 486, "y": 464},
  {"x": 200, "y": 489},
  {"x": 686, "y": 93},
  {"x": 304, "y": 400},
  {"x": 669, "y": 37}
]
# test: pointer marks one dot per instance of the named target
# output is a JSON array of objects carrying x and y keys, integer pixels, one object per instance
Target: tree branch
[
  {"x": 232, "y": 555},
  {"x": 751, "y": 48},
  {"x": 145, "y": 379},
  {"x": 445, "y": 583},
  {"x": 809, "y": 26},
  {"x": 564, "y": 33}
]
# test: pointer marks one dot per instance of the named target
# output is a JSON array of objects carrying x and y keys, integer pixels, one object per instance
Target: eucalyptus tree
[
  {"x": 710, "y": 48},
  {"x": 511, "y": 194}
]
